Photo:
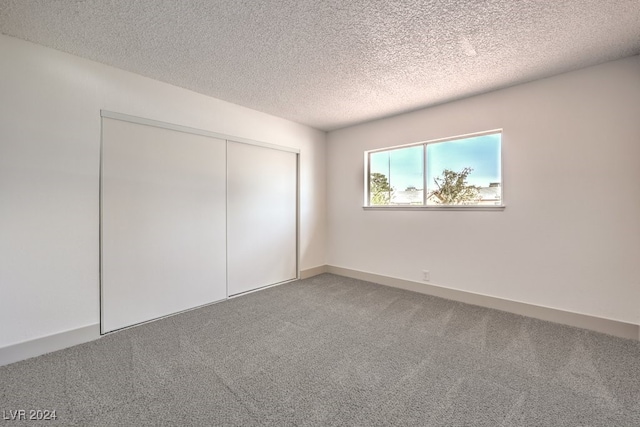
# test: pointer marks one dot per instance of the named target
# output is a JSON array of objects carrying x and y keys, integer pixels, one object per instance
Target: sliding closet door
[
  {"x": 261, "y": 216},
  {"x": 162, "y": 222}
]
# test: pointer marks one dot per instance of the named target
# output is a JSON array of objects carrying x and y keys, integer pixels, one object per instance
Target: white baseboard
[
  {"x": 310, "y": 272},
  {"x": 593, "y": 323},
  {"x": 47, "y": 344}
]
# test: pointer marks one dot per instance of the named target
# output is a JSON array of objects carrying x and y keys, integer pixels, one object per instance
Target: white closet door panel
[
  {"x": 261, "y": 216},
  {"x": 163, "y": 222}
]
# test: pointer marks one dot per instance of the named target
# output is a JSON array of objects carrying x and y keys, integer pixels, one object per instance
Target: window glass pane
[
  {"x": 406, "y": 175},
  {"x": 397, "y": 177},
  {"x": 465, "y": 171},
  {"x": 379, "y": 189}
]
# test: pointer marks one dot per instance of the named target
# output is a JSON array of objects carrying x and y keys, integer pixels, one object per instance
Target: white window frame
[{"x": 424, "y": 206}]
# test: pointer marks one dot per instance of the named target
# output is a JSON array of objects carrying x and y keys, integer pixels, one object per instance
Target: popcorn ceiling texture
[{"x": 331, "y": 64}]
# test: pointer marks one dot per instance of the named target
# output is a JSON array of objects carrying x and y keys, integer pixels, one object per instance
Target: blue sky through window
[
  {"x": 481, "y": 153},
  {"x": 404, "y": 166}
]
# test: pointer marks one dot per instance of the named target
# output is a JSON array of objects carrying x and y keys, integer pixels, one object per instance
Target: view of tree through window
[{"x": 464, "y": 171}]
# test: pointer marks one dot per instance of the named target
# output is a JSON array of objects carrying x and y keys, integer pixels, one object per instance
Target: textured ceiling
[{"x": 330, "y": 64}]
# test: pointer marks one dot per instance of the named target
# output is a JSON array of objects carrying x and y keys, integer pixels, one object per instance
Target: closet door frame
[{"x": 227, "y": 138}]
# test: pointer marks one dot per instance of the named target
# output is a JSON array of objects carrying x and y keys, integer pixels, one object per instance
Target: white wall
[
  {"x": 569, "y": 237},
  {"x": 49, "y": 167}
]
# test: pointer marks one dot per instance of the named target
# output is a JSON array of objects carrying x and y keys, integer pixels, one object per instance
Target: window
[{"x": 462, "y": 171}]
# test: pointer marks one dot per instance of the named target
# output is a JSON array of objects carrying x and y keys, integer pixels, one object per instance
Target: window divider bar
[{"x": 424, "y": 175}]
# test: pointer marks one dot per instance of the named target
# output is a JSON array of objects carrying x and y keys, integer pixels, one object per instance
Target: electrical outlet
[{"x": 425, "y": 275}]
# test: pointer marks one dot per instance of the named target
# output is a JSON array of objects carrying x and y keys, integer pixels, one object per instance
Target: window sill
[{"x": 435, "y": 208}]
